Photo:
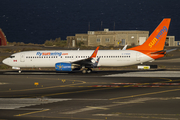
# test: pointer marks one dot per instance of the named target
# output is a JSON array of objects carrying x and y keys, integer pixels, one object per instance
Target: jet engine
[
  {"x": 63, "y": 67},
  {"x": 66, "y": 67}
]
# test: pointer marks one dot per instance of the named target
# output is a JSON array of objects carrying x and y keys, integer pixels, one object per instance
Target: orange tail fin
[{"x": 157, "y": 39}]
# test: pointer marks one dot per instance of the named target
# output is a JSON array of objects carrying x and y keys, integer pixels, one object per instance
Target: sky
[{"x": 35, "y": 21}]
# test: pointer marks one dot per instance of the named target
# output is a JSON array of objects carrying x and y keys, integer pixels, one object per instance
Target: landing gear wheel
[
  {"x": 84, "y": 71},
  {"x": 89, "y": 70}
]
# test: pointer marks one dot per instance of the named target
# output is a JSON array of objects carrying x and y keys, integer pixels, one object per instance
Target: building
[
  {"x": 114, "y": 38},
  {"x": 3, "y": 41},
  {"x": 108, "y": 38},
  {"x": 170, "y": 41}
]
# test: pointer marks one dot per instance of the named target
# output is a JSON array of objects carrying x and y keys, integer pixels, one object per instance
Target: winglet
[
  {"x": 124, "y": 48},
  {"x": 95, "y": 53}
]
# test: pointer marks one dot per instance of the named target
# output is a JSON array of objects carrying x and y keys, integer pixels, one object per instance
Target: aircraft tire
[
  {"x": 84, "y": 71},
  {"x": 89, "y": 70}
]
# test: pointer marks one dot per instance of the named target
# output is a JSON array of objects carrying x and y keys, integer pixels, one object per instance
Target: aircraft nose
[{"x": 5, "y": 61}]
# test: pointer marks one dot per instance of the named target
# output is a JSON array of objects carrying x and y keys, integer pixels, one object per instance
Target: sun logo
[{"x": 59, "y": 66}]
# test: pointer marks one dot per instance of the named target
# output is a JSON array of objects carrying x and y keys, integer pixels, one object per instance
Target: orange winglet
[{"x": 95, "y": 53}]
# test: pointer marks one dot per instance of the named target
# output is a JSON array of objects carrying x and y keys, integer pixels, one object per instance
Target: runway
[{"x": 111, "y": 95}]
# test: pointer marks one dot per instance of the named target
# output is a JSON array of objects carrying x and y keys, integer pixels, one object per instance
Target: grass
[
  {"x": 3, "y": 67},
  {"x": 57, "y": 42}
]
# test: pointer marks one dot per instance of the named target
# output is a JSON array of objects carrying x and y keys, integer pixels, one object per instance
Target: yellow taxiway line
[
  {"x": 32, "y": 112},
  {"x": 138, "y": 95}
]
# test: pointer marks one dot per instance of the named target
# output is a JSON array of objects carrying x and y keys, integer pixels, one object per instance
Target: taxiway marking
[
  {"x": 72, "y": 118},
  {"x": 105, "y": 107},
  {"x": 140, "y": 116},
  {"x": 147, "y": 74},
  {"x": 32, "y": 112},
  {"x": 73, "y": 84},
  {"x": 20, "y": 104},
  {"x": 151, "y": 93},
  {"x": 74, "y": 92},
  {"x": 2, "y": 83},
  {"x": 102, "y": 108}
]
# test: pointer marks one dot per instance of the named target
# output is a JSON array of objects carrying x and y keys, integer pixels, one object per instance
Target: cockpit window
[{"x": 12, "y": 56}]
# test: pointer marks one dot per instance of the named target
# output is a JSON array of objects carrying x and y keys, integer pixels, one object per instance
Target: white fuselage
[{"x": 51, "y": 57}]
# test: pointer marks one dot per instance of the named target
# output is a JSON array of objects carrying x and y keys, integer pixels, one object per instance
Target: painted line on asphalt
[
  {"x": 71, "y": 118},
  {"x": 138, "y": 95},
  {"x": 32, "y": 112},
  {"x": 74, "y": 92},
  {"x": 50, "y": 87}
]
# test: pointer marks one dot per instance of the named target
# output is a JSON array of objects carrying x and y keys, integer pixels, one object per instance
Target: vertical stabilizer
[
  {"x": 156, "y": 40},
  {"x": 3, "y": 41}
]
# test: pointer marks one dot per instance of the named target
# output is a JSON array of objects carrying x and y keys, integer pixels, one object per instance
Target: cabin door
[
  {"x": 138, "y": 56},
  {"x": 22, "y": 57}
]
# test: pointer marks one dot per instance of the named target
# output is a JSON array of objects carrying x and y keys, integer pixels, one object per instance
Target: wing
[{"x": 88, "y": 62}]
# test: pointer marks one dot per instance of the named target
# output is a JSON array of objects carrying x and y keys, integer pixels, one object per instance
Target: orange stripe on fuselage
[{"x": 154, "y": 56}]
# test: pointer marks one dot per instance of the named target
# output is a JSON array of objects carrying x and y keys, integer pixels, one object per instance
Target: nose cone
[{"x": 5, "y": 61}]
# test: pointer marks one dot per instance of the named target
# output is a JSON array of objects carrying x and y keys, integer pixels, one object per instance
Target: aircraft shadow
[{"x": 47, "y": 72}]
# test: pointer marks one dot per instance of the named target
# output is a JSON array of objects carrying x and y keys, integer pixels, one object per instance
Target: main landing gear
[{"x": 84, "y": 71}]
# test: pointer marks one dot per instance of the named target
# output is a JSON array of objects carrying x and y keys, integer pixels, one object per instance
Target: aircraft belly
[
  {"x": 123, "y": 62},
  {"x": 115, "y": 62},
  {"x": 39, "y": 64}
]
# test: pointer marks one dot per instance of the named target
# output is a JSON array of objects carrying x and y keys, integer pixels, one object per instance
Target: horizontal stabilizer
[
  {"x": 159, "y": 52},
  {"x": 167, "y": 51},
  {"x": 164, "y": 51}
]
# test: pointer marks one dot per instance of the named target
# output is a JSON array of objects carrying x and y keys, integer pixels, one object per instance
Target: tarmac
[
  {"x": 128, "y": 94},
  {"x": 102, "y": 95}
]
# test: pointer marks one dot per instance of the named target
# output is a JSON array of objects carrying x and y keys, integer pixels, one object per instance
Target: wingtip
[{"x": 95, "y": 52}]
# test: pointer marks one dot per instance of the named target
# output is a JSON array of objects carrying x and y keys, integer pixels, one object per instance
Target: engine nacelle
[{"x": 63, "y": 67}]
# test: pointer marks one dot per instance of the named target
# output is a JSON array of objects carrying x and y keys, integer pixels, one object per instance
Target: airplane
[{"x": 85, "y": 60}]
